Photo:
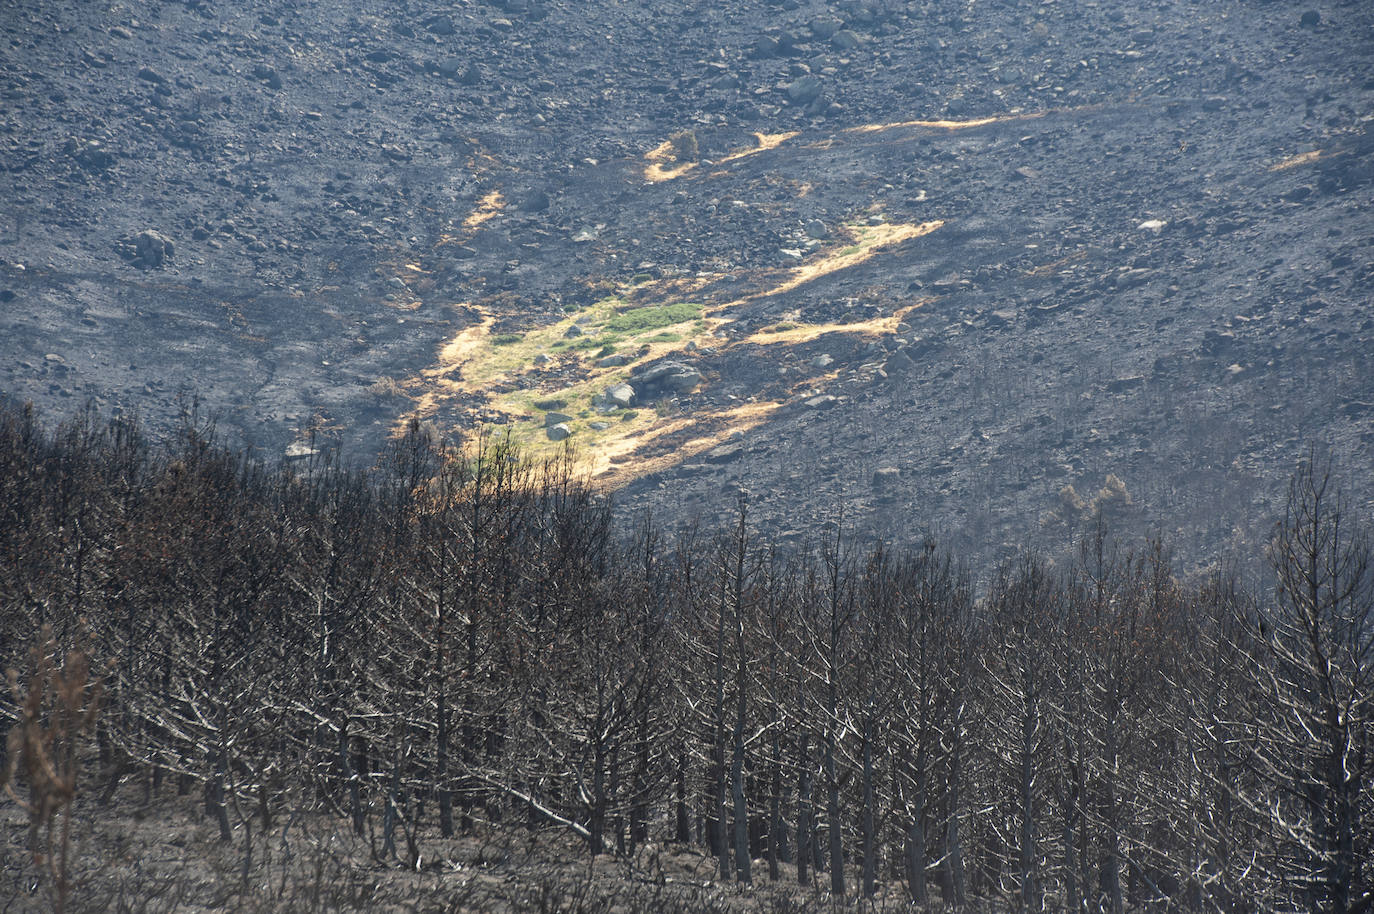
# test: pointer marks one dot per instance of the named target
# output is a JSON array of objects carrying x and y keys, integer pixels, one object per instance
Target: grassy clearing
[
  {"x": 610, "y": 325},
  {"x": 641, "y": 320}
]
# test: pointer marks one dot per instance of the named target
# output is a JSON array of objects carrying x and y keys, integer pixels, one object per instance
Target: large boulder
[
  {"x": 804, "y": 90},
  {"x": 621, "y": 395},
  {"x": 148, "y": 250},
  {"x": 668, "y": 377}
]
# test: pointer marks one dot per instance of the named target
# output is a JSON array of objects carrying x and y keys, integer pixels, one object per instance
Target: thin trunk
[
  {"x": 870, "y": 865},
  {"x": 775, "y": 834},
  {"x": 684, "y": 824},
  {"x": 803, "y": 810},
  {"x": 916, "y": 862},
  {"x": 214, "y": 795},
  {"x": 1029, "y": 900},
  {"x": 597, "y": 839},
  {"x": 441, "y": 768},
  {"x": 741, "y": 809},
  {"x": 954, "y": 851},
  {"x": 832, "y": 787}
]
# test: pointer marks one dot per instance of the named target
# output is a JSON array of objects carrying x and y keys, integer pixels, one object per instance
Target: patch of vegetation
[
  {"x": 506, "y": 339},
  {"x": 781, "y": 327},
  {"x": 851, "y": 250},
  {"x": 385, "y": 387},
  {"x": 584, "y": 343},
  {"x": 684, "y": 146},
  {"x": 550, "y": 403},
  {"x": 640, "y": 278},
  {"x": 665, "y": 338},
  {"x": 641, "y": 319}
]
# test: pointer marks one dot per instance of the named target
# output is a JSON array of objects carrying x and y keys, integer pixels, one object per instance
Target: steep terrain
[{"x": 933, "y": 262}]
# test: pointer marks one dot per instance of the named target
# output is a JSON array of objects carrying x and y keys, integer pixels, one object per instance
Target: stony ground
[
  {"x": 141, "y": 853},
  {"x": 1144, "y": 247}
]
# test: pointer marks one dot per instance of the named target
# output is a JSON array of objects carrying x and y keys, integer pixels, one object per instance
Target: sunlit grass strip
[
  {"x": 867, "y": 240},
  {"x": 488, "y": 208},
  {"x": 656, "y": 171},
  {"x": 793, "y": 332},
  {"x": 944, "y": 124},
  {"x": 1302, "y": 158}
]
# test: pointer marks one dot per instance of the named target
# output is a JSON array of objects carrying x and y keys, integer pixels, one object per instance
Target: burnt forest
[{"x": 616, "y": 456}]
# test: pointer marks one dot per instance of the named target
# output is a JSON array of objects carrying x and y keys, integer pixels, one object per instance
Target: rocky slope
[{"x": 944, "y": 260}]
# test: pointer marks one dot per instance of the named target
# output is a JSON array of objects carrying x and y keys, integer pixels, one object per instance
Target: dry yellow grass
[
  {"x": 608, "y": 473},
  {"x": 1046, "y": 269},
  {"x": 488, "y": 208},
  {"x": 657, "y": 171},
  {"x": 436, "y": 384},
  {"x": 943, "y": 124},
  {"x": 1302, "y": 158},
  {"x": 766, "y": 141},
  {"x": 868, "y": 241},
  {"x": 805, "y": 333}
]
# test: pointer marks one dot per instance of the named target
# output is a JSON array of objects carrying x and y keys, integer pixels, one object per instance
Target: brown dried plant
[{"x": 58, "y": 705}]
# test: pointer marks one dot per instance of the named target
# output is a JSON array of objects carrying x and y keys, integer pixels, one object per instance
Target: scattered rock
[
  {"x": 148, "y": 74},
  {"x": 824, "y": 360},
  {"x": 613, "y": 361},
  {"x": 558, "y": 432},
  {"x": 824, "y": 401},
  {"x": 804, "y": 90},
  {"x": 1152, "y": 225},
  {"x": 846, "y": 40},
  {"x": 621, "y": 395},
  {"x": 269, "y": 77},
  {"x": 148, "y": 250},
  {"x": 439, "y": 25},
  {"x": 535, "y": 201},
  {"x": 1121, "y": 385},
  {"x": 725, "y": 453},
  {"x": 90, "y": 155},
  {"x": 1129, "y": 279},
  {"x": 556, "y": 418},
  {"x": 899, "y": 363},
  {"x": 541, "y": 360},
  {"x": 817, "y": 229},
  {"x": 886, "y": 478},
  {"x": 825, "y": 27},
  {"x": 668, "y": 376},
  {"x": 1310, "y": 19}
]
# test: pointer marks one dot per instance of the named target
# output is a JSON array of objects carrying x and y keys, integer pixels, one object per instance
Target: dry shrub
[
  {"x": 57, "y": 709},
  {"x": 684, "y": 146}
]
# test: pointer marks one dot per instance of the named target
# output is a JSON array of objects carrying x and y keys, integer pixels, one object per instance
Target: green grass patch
[
  {"x": 506, "y": 339},
  {"x": 780, "y": 328},
  {"x": 583, "y": 343},
  {"x": 665, "y": 338},
  {"x": 851, "y": 250},
  {"x": 641, "y": 320}
]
